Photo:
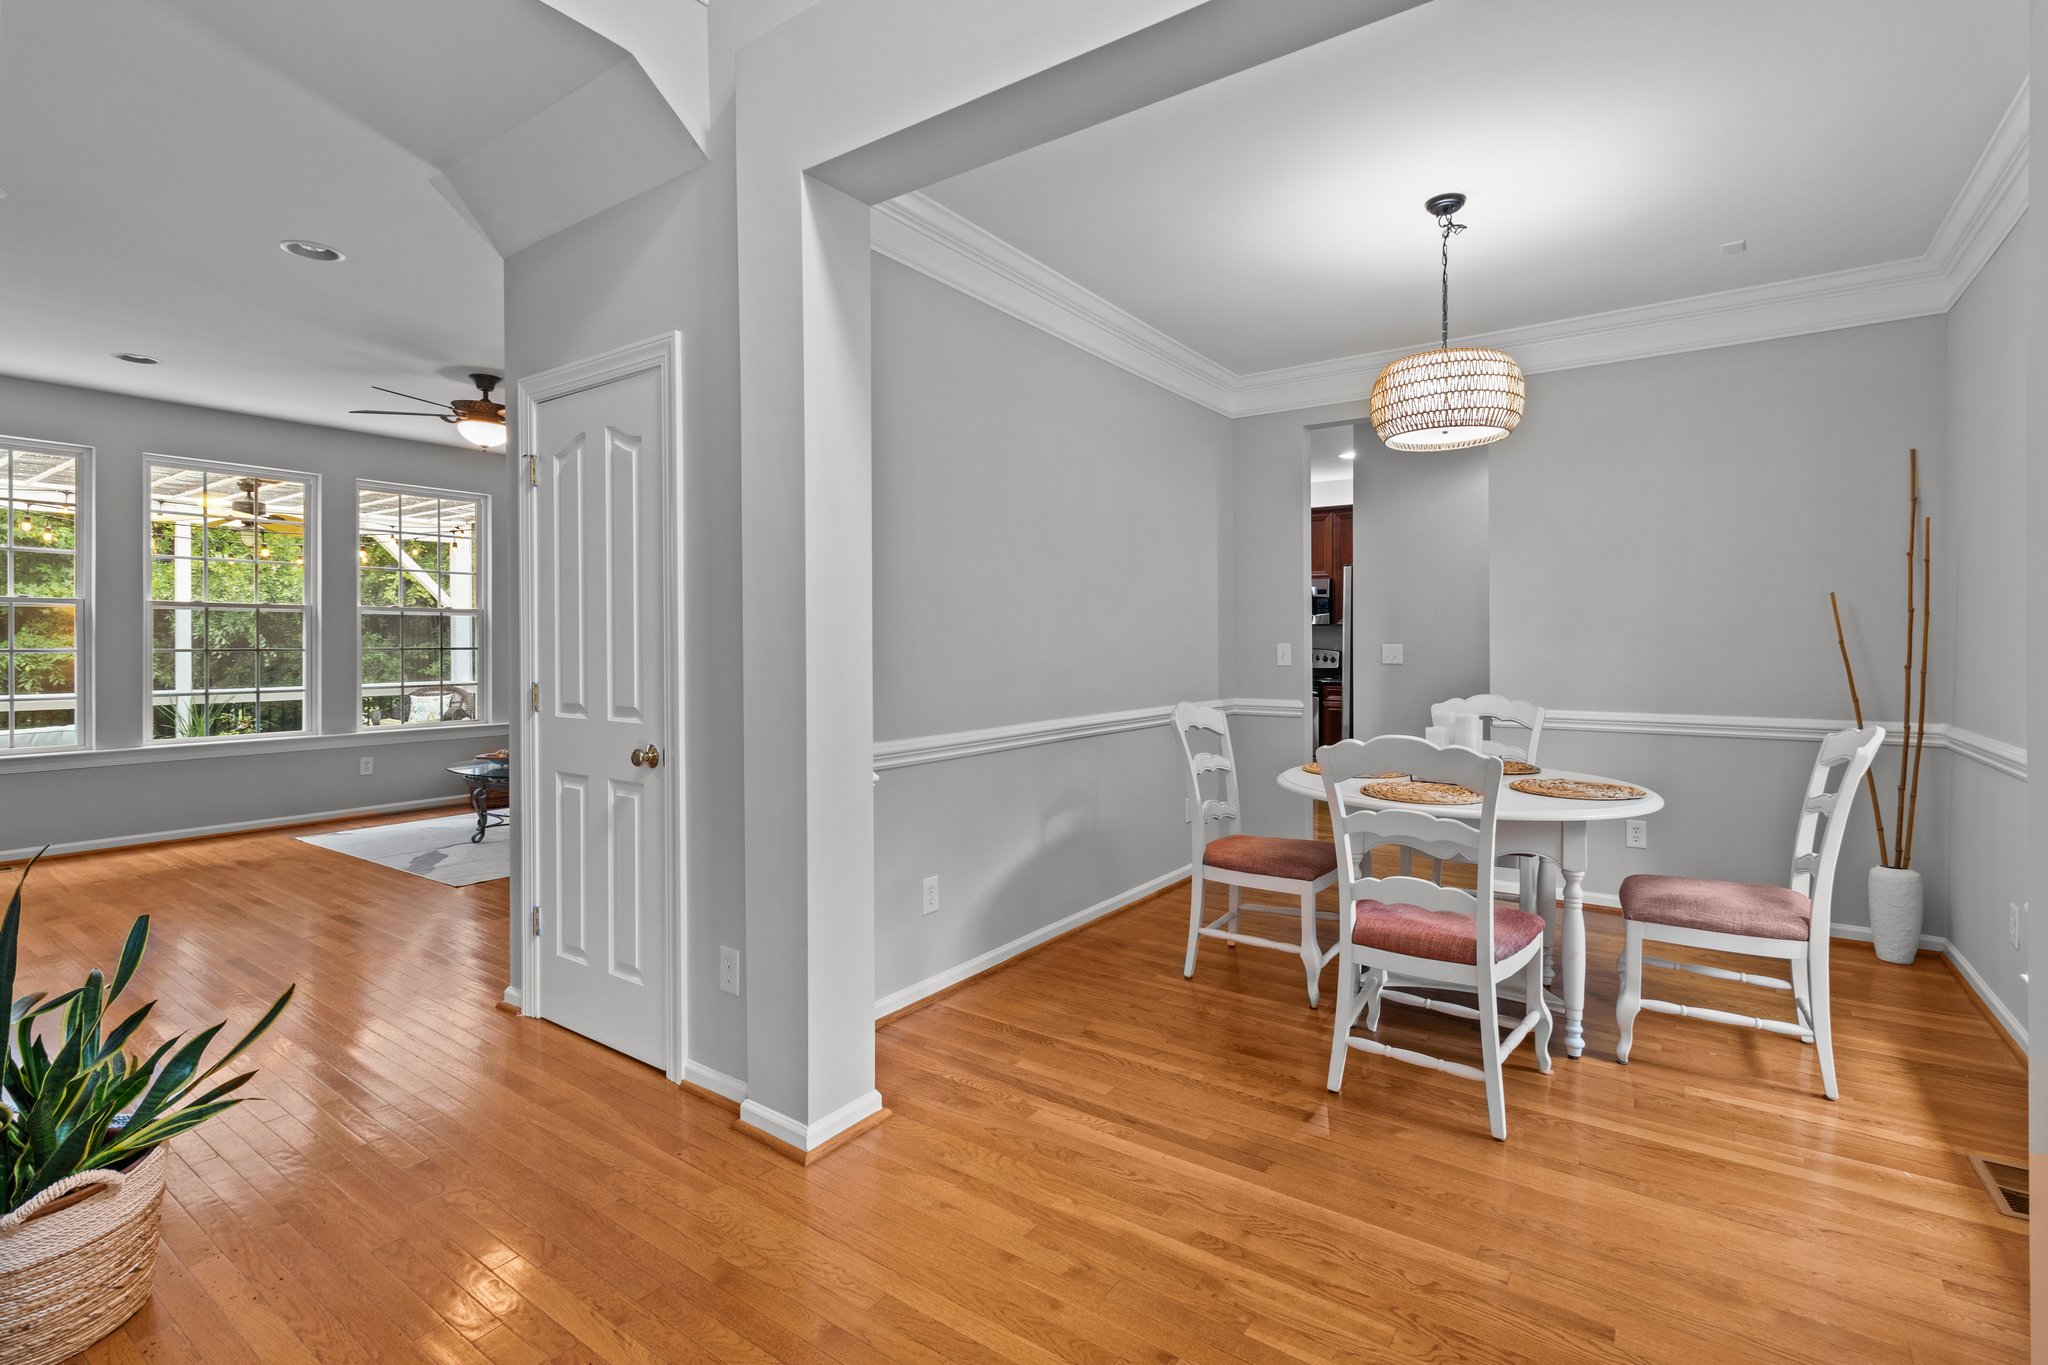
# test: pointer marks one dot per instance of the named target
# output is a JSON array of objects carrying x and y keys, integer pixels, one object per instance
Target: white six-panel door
[{"x": 601, "y": 762}]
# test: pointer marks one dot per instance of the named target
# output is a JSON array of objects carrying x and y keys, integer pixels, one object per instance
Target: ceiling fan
[
  {"x": 480, "y": 421},
  {"x": 250, "y": 515}
]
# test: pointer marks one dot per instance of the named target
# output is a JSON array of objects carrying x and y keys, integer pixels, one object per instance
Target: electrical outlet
[
  {"x": 729, "y": 970},
  {"x": 1639, "y": 834},
  {"x": 931, "y": 895},
  {"x": 2013, "y": 930},
  {"x": 1390, "y": 654},
  {"x": 366, "y": 765},
  {"x": 1187, "y": 810},
  {"x": 1285, "y": 653}
]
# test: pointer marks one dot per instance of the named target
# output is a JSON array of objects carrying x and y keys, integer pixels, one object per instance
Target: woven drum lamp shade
[{"x": 1447, "y": 398}]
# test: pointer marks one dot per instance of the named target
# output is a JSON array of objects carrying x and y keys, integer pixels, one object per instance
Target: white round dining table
[{"x": 1555, "y": 829}]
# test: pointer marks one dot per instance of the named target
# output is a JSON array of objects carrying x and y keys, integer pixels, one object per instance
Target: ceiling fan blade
[
  {"x": 391, "y": 412},
  {"x": 430, "y": 402}
]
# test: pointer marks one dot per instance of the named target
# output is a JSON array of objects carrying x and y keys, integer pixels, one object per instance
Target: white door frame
[{"x": 663, "y": 353}]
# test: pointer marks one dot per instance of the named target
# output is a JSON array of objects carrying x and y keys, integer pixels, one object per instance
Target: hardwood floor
[{"x": 1090, "y": 1159}]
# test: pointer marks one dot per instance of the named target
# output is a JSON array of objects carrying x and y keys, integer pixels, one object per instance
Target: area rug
[{"x": 437, "y": 849}]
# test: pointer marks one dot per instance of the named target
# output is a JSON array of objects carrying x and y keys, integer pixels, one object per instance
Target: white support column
[
  {"x": 806, "y": 533},
  {"x": 844, "y": 105}
]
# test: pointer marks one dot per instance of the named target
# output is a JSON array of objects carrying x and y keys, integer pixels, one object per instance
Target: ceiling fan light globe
[{"x": 480, "y": 433}]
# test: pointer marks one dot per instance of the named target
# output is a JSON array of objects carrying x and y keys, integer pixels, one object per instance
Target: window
[
  {"x": 419, "y": 582},
  {"x": 227, "y": 584},
  {"x": 43, "y": 602}
]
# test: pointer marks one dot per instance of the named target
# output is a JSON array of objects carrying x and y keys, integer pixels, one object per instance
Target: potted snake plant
[{"x": 83, "y": 1123}]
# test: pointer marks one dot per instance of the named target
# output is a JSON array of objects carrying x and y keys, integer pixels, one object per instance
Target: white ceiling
[
  {"x": 1609, "y": 148},
  {"x": 1326, "y": 447},
  {"x": 152, "y": 163}
]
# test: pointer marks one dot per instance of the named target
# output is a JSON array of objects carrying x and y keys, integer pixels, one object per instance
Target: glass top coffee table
[{"x": 490, "y": 791}]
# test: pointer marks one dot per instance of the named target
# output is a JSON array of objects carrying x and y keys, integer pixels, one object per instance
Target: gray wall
[
  {"x": 1666, "y": 534},
  {"x": 1267, "y": 594},
  {"x": 1981, "y": 543},
  {"x": 1668, "y": 530},
  {"x": 2035, "y": 321},
  {"x": 661, "y": 262},
  {"x": 137, "y": 794},
  {"x": 1048, "y": 541},
  {"x": 1419, "y": 555}
]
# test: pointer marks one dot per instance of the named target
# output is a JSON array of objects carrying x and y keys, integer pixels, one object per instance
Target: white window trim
[
  {"x": 482, "y": 573},
  {"x": 84, "y": 644},
  {"x": 172, "y": 751},
  {"x": 311, "y": 721}
]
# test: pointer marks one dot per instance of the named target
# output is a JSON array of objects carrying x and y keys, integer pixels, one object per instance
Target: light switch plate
[
  {"x": 1284, "y": 655},
  {"x": 1390, "y": 654}
]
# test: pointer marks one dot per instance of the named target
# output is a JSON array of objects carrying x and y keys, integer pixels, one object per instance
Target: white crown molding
[
  {"x": 931, "y": 239},
  {"x": 904, "y": 753},
  {"x": 928, "y": 237}
]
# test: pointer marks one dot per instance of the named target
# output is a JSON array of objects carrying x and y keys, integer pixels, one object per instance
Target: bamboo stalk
[
  {"x": 1906, "y": 738},
  {"x": 1926, "y": 629},
  {"x": 1856, "y": 702}
]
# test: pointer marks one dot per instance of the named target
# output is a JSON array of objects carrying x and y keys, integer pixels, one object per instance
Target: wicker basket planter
[{"x": 74, "y": 1266}]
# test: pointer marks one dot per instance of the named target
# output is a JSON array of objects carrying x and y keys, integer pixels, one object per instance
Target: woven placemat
[
  {"x": 1312, "y": 769},
  {"x": 1515, "y": 767},
  {"x": 1411, "y": 792},
  {"x": 1571, "y": 789}
]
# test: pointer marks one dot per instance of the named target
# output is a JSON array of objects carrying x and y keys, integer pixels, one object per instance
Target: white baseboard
[
  {"x": 1974, "y": 979},
  {"x": 239, "y": 826},
  {"x": 717, "y": 1082},
  {"x": 974, "y": 966},
  {"x": 512, "y": 997},
  {"x": 807, "y": 1136},
  {"x": 1861, "y": 933}
]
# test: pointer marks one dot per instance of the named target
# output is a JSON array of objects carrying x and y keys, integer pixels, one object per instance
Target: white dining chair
[
  {"x": 1514, "y": 729},
  {"x": 1788, "y": 923},
  {"x": 1294, "y": 867},
  {"x": 1425, "y": 934}
]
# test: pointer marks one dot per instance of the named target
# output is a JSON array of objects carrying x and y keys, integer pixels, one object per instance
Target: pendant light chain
[
  {"x": 1443, "y": 221},
  {"x": 1448, "y": 397}
]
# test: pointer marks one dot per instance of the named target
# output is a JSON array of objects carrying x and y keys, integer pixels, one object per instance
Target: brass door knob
[{"x": 649, "y": 757}]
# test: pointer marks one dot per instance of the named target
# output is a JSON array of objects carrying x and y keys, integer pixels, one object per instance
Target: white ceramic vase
[{"x": 1895, "y": 912}]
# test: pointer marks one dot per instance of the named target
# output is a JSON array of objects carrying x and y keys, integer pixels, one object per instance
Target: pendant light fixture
[{"x": 1448, "y": 397}]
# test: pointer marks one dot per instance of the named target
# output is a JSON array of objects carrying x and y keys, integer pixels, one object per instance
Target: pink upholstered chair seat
[
  {"x": 1718, "y": 907},
  {"x": 1295, "y": 860},
  {"x": 1442, "y": 935}
]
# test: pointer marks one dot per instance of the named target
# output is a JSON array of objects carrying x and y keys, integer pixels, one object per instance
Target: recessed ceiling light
[
  {"x": 310, "y": 251},
  {"x": 1347, "y": 454},
  {"x": 135, "y": 357}
]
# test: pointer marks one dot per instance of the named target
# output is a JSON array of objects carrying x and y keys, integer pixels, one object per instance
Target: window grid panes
[
  {"x": 40, "y": 600},
  {"x": 228, "y": 556},
  {"x": 419, "y": 576}
]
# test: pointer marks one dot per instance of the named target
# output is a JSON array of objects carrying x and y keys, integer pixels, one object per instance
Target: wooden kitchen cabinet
[
  {"x": 1330, "y": 714},
  {"x": 1329, "y": 551}
]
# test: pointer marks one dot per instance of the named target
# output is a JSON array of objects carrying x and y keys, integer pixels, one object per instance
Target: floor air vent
[{"x": 2006, "y": 1184}]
